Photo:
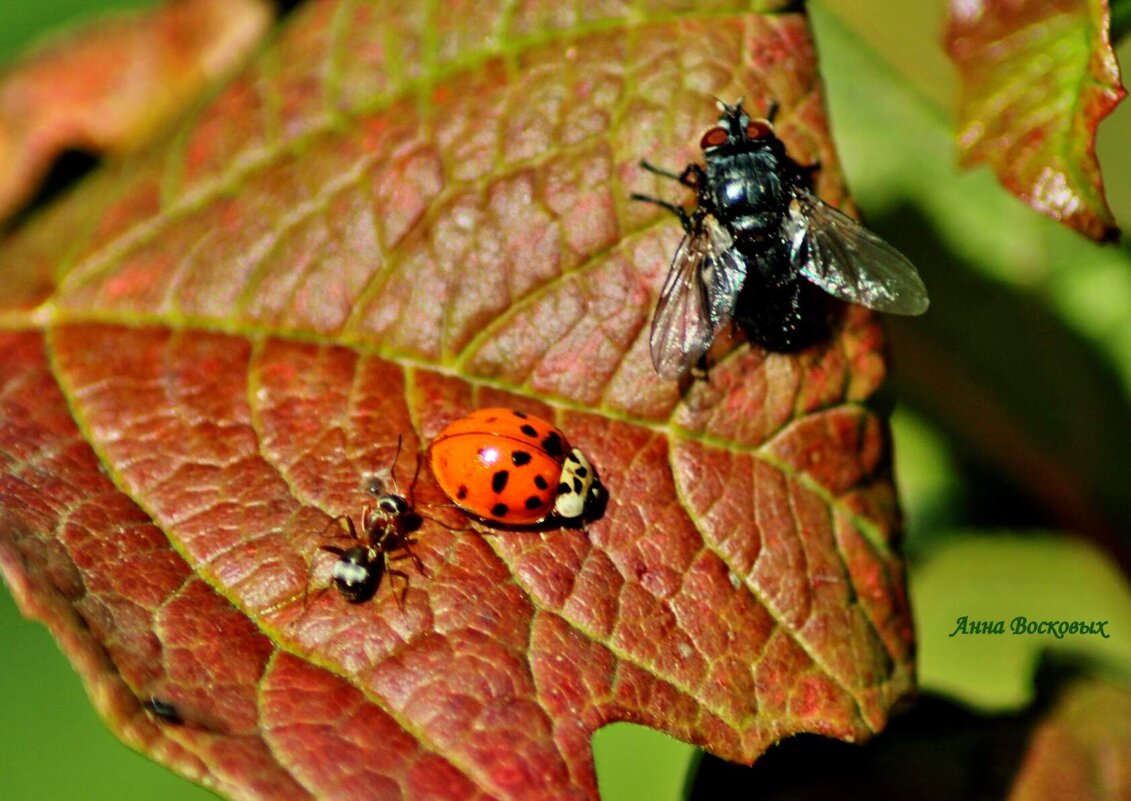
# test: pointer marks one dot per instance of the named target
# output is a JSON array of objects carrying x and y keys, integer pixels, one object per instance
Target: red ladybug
[{"x": 510, "y": 467}]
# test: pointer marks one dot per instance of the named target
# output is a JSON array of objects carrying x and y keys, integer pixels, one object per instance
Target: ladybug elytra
[{"x": 510, "y": 467}]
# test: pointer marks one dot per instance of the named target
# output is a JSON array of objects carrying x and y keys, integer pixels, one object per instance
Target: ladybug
[{"x": 509, "y": 467}]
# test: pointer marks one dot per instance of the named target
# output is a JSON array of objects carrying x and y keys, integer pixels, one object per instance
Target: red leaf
[
  {"x": 112, "y": 88},
  {"x": 248, "y": 321},
  {"x": 1037, "y": 78}
]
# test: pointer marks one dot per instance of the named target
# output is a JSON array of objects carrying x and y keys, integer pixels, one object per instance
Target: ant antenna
[
  {"x": 393, "y": 469},
  {"x": 375, "y": 485}
]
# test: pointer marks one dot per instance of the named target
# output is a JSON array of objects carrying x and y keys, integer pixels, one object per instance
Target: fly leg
[
  {"x": 678, "y": 211},
  {"x": 692, "y": 175}
]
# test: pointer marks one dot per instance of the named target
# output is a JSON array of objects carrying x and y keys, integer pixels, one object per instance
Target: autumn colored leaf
[
  {"x": 392, "y": 217},
  {"x": 1082, "y": 748},
  {"x": 1037, "y": 77},
  {"x": 111, "y": 87}
]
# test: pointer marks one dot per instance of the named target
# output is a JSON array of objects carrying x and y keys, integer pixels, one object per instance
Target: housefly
[{"x": 759, "y": 246}]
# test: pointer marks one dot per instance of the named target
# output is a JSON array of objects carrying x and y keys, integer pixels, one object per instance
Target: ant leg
[
  {"x": 404, "y": 587},
  {"x": 346, "y": 522},
  {"x": 406, "y": 546},
  {"x": 306, "y": 585}
]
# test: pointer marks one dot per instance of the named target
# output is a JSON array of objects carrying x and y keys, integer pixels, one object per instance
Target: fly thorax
[{"x": 748, "y": 192}]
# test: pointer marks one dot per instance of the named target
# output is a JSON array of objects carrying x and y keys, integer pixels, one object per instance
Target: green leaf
[
  {"x": 1001, "y": 577},
  {"x": 1023, "y": 360},
  {"x": 1037, "y": 78}
]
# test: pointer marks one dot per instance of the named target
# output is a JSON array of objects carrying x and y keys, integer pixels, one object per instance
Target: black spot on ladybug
[
  {"x": 518, "y": 414},
  {"x": 540, "y": 482},
  {"x": 461, "y": 493},
  {"x": 563, "y": 488},
  {"x": 519, "y": 458},
  {"x": 582, "y": 472},
  {"x": 500, "y": 510},
  {"x": 499, "y": 481},
  {"x": 533, "y": 502},
  {"x": 577, "y": 485},
  {"x": 552, "y": 444},
  {"x": 529, "y": 430},
  {"x": 491, "y": 419}
]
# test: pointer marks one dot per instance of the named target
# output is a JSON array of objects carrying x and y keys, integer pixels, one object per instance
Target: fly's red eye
[
  {"x": 714, "y": 138},
  {"x": 758, "y": 129}
]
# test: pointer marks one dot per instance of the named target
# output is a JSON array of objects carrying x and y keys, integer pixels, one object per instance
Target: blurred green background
[{"x": 1014, "y": 388}]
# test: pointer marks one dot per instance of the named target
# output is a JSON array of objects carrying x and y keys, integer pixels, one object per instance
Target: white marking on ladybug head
[{"x": 573, "y": 489}]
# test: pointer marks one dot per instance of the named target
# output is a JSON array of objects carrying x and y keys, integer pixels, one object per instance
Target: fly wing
[
  {"x": 848, "y": 261},
  {"x": 697, "y": 299},
  {"x": 724, "y": 273}
]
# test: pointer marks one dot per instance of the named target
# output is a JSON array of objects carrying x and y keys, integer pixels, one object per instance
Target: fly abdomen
[{"x": 777, "y": 307}]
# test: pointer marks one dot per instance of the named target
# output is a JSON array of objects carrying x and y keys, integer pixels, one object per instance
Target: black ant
[
  {"x": 385, "y": 528},
  {"x": 358, "y": 572}
]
